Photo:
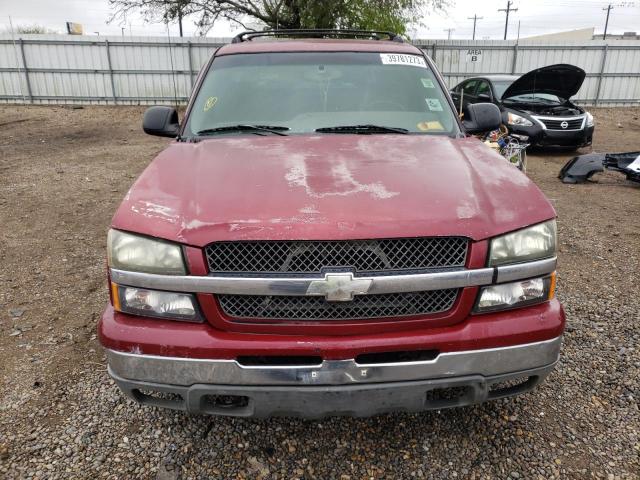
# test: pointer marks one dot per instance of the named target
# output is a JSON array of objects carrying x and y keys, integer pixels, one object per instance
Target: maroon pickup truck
[{"x": 325, "y": 237}]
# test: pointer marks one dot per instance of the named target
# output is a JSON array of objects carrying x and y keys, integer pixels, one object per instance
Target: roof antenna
[{"x": 173, "y": 72}]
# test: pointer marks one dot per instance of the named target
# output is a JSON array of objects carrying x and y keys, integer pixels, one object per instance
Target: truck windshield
[{"x": 304, "y": 92}]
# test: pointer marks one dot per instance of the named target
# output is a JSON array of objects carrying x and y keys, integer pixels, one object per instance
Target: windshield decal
[
  {"x": 434, "y": 104},
  {"x": 433, "y": 126},
  {"x": 427, "y": 83},
  {"x": 401, "y": 59},
  {"x": 211, "y": 101}
]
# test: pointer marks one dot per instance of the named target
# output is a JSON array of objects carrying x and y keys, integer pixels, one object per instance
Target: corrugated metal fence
[{"x": 145, "y": 70}]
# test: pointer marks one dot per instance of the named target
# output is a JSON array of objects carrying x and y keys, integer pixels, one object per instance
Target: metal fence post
[
  {"x": 604, "y": 61},
  {"x": 113, "y": 85},
  {"x": 433, "y": 53},
  {"x": 515, "y": 58},
  {"x": 26, "y": 70},
  {"x": 190, "y": 64}
]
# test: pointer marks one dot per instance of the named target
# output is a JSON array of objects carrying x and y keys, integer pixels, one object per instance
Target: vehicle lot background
[
  {"x": 132, "y": 70},
  {"x": 63, "y": 172}
]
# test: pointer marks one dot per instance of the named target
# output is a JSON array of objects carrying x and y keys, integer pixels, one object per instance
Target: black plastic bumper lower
[
  {"x": 571, "y": 138},
  {"x": 360, "y": 400}
]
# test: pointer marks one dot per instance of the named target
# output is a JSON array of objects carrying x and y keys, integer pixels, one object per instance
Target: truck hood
[
  {"x": 314, "y": 187},
  {"x": 562, "y": 80}
]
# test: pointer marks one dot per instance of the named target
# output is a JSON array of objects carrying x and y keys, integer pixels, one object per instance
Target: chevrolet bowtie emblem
[{"x": 339, "y": 287}]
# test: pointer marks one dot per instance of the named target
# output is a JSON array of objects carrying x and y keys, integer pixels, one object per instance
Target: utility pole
[
  {"x": 475, "y": 18},
  {"x": 180, "y": 20},
  {"x": 606, "y": 23},
  {"x": 507, "y": 10},
  {"x": 449, "y": 30}
]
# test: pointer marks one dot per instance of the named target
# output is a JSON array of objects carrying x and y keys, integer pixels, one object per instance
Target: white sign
[
  {"x": 473, "y": 55},
  {"x": 402, "y": 59}
]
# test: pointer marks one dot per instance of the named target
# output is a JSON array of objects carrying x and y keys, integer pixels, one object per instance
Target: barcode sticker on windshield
[{"x": 401, "y": 59}]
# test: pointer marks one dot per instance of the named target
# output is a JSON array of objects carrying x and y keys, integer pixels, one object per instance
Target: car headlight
[
  {"x": 589, "y": 119},
  {"x": 516, "y": 294},
  {"x": 141, "y": 254},
  {"x": 532, "y": 243},
  {"x": 154, "y": 303},
  {"x": 513, "y": 119}
]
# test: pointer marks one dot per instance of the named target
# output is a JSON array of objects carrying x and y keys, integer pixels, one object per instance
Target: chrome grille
[
  {"x": 359, "y": 255},
  {"x": 556, "y": 124},
  {"x": 317, "y": 308}
]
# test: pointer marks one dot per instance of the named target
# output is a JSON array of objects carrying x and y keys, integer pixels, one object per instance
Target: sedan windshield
[{"x": 304, "y": 92}]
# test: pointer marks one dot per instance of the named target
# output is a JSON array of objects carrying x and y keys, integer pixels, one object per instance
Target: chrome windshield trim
[
  {"x": 190, "y": 371},
  {"x": 309, "y": 286}
]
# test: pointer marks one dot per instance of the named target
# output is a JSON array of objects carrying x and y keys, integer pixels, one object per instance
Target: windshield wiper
[
  {"x": 275, "y": 129},
  {"x": 362, "y": 129}
]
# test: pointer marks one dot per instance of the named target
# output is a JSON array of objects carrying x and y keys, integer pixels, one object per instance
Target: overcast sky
[{"x": 535, "y": 17}]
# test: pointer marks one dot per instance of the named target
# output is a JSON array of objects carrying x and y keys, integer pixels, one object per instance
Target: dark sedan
[{"x": 536, "y": 104}]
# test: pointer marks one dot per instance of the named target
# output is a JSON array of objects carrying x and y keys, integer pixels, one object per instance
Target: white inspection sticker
[
  {"x": 427, "y": 83},
  {"x": 402, "y": 59},
  {"x": 434, "y": 104}
]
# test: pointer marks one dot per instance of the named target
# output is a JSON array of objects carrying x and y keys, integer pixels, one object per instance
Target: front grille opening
[
  {"x": 362, "y": 307},
  {"x": 157, "y": 397},
  {"x": 447, "y": 394},
  {"x": 572, "y": 124},
  {"x": 224, "y": 402},
  {"x": 380, "y": 255},
  {"x": 397, "y": 357},
  {"x": 279, "y": 361},
  {"x": 512, "y": 386}
]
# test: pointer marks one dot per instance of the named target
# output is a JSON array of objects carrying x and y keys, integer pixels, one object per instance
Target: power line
[
  {"x": 507, "y": 10},
  {"x": 475, "y": 18},
  {"x": 606, "y": 23}
]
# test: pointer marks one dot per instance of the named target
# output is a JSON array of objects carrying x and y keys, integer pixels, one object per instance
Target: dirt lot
[{"x": 62, "y": 173}]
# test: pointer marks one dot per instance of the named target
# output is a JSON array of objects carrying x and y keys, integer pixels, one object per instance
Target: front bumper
[
  {"x": 334, "y": 387},
  {"x": 569, "y": 138}
]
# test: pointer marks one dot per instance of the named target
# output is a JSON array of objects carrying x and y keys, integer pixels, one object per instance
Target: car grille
[
  {"x": 306, "y": 257},
  {"x": 572, "y": 124},
  {"x": 317, "y": 308}
]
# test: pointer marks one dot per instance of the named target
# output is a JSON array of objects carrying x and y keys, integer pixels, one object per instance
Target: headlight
[
  {"x": 589, "y": 119},
  {"x": 531, "y": 243},
  {"x": 516, "y": 294},
  {"x": 141, "y": 254},
  {"x": 153, "y": 303},
  {"x": 513, "y": 119}
]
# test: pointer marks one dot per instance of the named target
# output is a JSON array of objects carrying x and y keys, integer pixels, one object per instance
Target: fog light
[
  {"x": 516, "y": 294},
  {"x": 154, "y": 303}
]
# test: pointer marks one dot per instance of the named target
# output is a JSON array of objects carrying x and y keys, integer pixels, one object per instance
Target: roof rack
[{"x": 318, "y": 33}]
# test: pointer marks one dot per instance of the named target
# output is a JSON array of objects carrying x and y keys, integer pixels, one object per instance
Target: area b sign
[{"x": 473, "y": 55}]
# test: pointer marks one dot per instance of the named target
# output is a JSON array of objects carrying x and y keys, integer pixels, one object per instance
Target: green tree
[{"x": 394, "y": 15}]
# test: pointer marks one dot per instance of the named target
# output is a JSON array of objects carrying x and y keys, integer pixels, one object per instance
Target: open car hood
[{"x": 562, "y": 80}]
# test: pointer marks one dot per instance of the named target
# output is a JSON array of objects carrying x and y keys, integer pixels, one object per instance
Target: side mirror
[
  {"x": 484, "y": 98},
  {"x": 161, "y": 121},
  {"x": 482, "y": 117}
]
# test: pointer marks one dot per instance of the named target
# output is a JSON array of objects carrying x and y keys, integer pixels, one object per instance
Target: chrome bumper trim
[
  {"x": 299, "y": 286},
  {"x": 191, "y": 371}
]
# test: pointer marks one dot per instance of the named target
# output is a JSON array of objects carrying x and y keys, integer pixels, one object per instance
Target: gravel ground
[{"x": 63, "y": 172}]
